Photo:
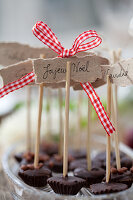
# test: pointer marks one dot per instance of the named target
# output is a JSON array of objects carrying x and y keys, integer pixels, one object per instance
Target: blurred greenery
[
  {"x": 72, "y": 104},
  {"x": 19, "y": 105},
  {"x": 83, "y": 122},
  {"x": 55, "y": 137},
  {"x": 125, "y": 106},
  {"x": 47, "y": 107}
]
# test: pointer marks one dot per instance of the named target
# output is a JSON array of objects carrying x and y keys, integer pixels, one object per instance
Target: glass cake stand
[{"x": 21, "y": 191}]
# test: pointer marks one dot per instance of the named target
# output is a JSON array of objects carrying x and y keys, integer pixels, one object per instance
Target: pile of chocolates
[{"x": 50, "y": 163}]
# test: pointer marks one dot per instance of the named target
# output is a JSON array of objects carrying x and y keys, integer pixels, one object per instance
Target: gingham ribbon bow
[{"x": 46, "y": 35}]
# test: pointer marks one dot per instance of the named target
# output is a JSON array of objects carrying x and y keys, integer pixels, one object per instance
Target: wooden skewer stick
[
  {"x": 88, "y": 136},
  {"x": 61, "y": 123},
  {"x": 66, "y": 125},
  {"x": 115, "y": 120},
  {"x": 116, "y": 57},
  {"x": 79, "y": 120},
  {"x": 28, "y": 119},
  {"x": 108, "y": 146},
  {"x": 113, "y": 60},
  {"x": 48, "y": 113},
  {"x": 37, "y": 142},
  {"x": 112, "y": 119}
]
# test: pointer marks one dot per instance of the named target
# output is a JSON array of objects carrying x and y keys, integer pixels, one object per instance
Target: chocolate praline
[
  {"x": 95, "y": 175},
  {"x": 66, "y": 185},
  {"x": 36, "y": 177},
  {"x": 78, "y": 154},
  {"x": 49, "y": 148},
  {"x": 29, "y": 158},
  {"x": 125, "y": 162},
  {"x": 77, "y": 164},
  {"x": 131, "y": 170},
  {"x": 100, "y": 160},
  {"x": 18, "y": 157},
  {"x": 106, "y": 188},
  {"x": 122, "y": 175},
  {"x": 55, "y": 164},
  {"x": 102, "y": 156},
  {"x": 24, "y": 158}
]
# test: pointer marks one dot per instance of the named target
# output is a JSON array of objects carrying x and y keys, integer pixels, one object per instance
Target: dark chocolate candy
[
  {"x": 100, "y": 159},
  {"x": 99, "y": 164},
  {"x": 26, "y": 162},
  {"x": 80, "y": 163},
  {"x": 102, "y": 156},
  {"x": 69, "y": 185},
  {"x": 55, "y": 164},
  {"x": 121, "y": 175},
  {"x": 28, "y": 158},
  {"x": 49, "y": 148},
  {"x": 106, "y": 188},
  {"x": 126, "y": 162},
  {"x": 131, "y": 170},
  {"x": 78, "y": 154},
  {"x": 36, "y": 177},
  {"x": 18, "y": 157},
  {"x": 95, "y": 175}
]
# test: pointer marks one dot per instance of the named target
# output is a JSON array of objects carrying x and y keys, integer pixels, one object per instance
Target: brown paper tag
[
  {"x": 16, "y": 71},
  {"x": 120, "y": 73},
  {"x": 96, "y": 84},
  {"x": 57, "y": 85},
  {"x": 83, "y": 69},
  {"x": 11, "y": 53}
]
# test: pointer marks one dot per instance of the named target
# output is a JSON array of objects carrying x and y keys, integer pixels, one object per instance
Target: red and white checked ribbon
[
  {"x": 15, "y": 85},
  {"x": 95, "y": 100},
  {"x": 46, "y": 35}
]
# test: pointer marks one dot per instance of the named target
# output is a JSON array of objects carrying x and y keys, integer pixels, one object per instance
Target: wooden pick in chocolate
[
  {"x": 108, "y": 137},
  {"x": 66, "y": 125},
  {"x": 37, "y": 142},
  {"x": 49, "y": 121},
  {"x": 79, "y": 115},
  {"x": 115, "y": 120},
  {"x": 116, "y": 58},
  {"x": 61, "y": 122},
  {"x": 28, "y": 140},
  {"x": 88, "y": 136}
]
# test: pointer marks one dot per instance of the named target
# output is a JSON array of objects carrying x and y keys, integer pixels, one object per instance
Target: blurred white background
[{"x": 67, "y": 18}]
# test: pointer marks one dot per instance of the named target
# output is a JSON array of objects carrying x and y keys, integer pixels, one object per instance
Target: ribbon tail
[
  {"x": 15, "y": 85},
  {"x": 95, "y": 101}
]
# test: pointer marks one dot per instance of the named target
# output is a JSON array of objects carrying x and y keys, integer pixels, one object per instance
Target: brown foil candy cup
[
  {"x": 68, "y": 186},
  {"x": 80, "y": 163},
  {"x": 55, "y": 164},
  {"x": 95, "y": 175},
  {"x": 34, "y": 177},
  {"x": 122, "y": 175},
  {"x": 18, "y": 157},
  {"x": 106, "y": 188}
]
